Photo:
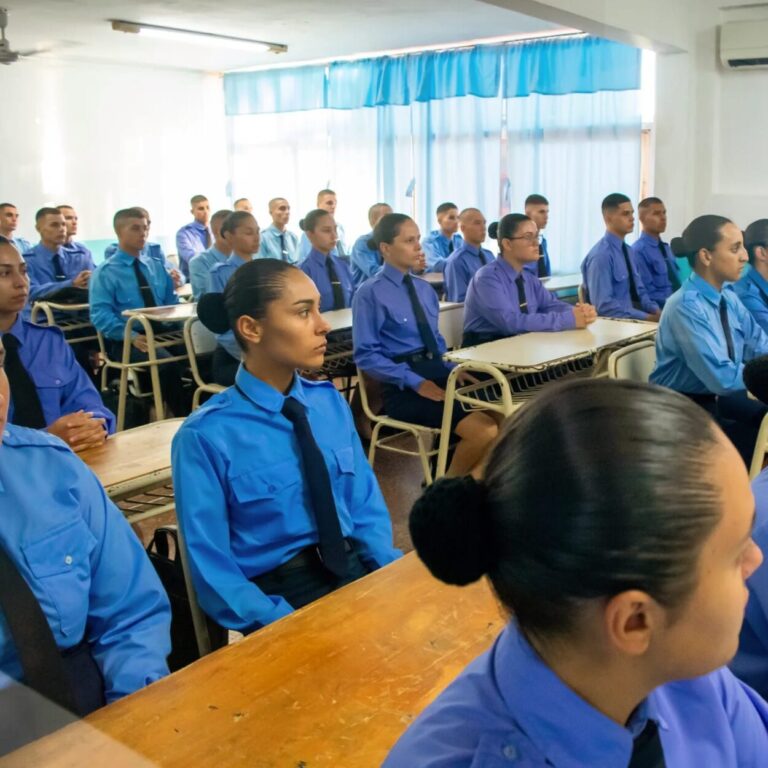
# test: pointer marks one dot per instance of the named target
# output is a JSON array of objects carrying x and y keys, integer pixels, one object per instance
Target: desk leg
[
  {"x": 157, "y": 392},
  {"x": 121, "y": 398}
]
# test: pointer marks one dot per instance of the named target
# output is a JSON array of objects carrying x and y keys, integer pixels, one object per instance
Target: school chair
[
  {"x": 635, "y": 361},
  {"x": 72, "y": 326},
  {"x": 581, "y": 292},
  {"x": 199, "y": 341}
]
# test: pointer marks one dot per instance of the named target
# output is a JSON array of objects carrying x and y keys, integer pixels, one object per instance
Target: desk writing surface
[
  {"x": 433, "y": 278},
  {"x": 334, "y": 685},
  {"x": 171, "y": 313},
  {"x": 562, "y": 282},
  {"x": 341, "y": 319},
  {"x": 530, "y": 350},
  {"x": 184, "y": 291}
]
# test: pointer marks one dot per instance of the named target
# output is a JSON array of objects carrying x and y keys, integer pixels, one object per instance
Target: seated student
[
  {"x": 326, "y": 199},
  {"x": 504, "y": 298},
  {"x": 85, "y": 619},
  {"x": 625, "y": 580},
  {"x": 200, "y": 266},
  {"x": 130, "y": 280},
  {"x": 194, "y": 237},
  {"x": 365, "y": 262},
  {"x": 706, "y": 334},
  {"x": 240, "y": 231},
  {"x": 49, "y": 389},
  {"x": 9, "y": 221},
  {"x": 277, "y": 242},
  {"x": 276, "y": 499},
  {"x": 51, "y": 268},
  {"x": 440, "y": 243},
  {"x": 752, "y": 288},
  {"x": 653, "y": 257},
  {"x": 243, "y": 204},
  {"x": 70, "y": 244},
  {"x": 397, "y": 342},
  {"x": 462, "y": 264},
  {"x": 329, "y": 273},
  {"x": 537, "y": 209},
  {"x": 609, "y": 270}
]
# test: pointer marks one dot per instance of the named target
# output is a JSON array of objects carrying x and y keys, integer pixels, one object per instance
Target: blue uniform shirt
[
  {"x": 384, "y": 326},
  {"x": 191, "y": 239},
  {"x": 217, "y": 282},
  {"x": 752, "y": 289},
  {"x": 316, "y": 267},
  {"x": 22, "y": 244},
  {"x": 82, "y": 561},
  {"x": 79, "y": 248},
  {"x": 271, "y": 247},
  {"x": 509, "y": 709},
  {"x": 691, "y": 351},
  {"x": 493, "y": 306},
  {"x": 61, "y": 383},
  {"x": 604, "y": 271},
  {"x": 460, "y": 267},
  {"x": 242, "y": 501},
  {"x": 114, "y": 288},
  {"x": 200, "y": 267},
  {"x": 340, "y": 250},
  {"x": 653, "y": 263},
  {"x": 533, "y": 266},
  {"x": 42, "y": 274},
  {"x": 437, "y": 248},
  {"x": 365, "y": 263}
]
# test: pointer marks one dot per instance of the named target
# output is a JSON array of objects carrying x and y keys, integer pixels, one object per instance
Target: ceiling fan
[{"x": 7, "y": 54}]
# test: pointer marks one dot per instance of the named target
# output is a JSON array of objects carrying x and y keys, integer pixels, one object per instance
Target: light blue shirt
[
  {"x": 79, "y": 248},
  {"x": 509, "y": 709},
  {"x": 242, "y": 500},
  {"x": 605, "y": 274},
  {"x": 316, "y": 267},
  {"x": 114, "y": 288},
  {"x": 200, "y": 267},
  {"x": 384, "y": 326},
  {"x": 340, "y": 250},
  {"x": 191, "y": 239},
  {"x": 654, "y": 260},
  {"x": 217, "y": 282},
  {"x": 492, "y": 306},
  {"x": 272, "y": 246},
  {"x": 691, "y": 351},
  {"x": 365, "y": 262},
  {"x": 437, "y": 248},
  {"x": 752, "y": 289},
  {"x": 42, "y": 273},
  {"x": 150, "y": 249},
  {"x": 460, "y": 268},
  {"x": 22, "y": 244},
  {"x": 61, "y": 383},
  {"x": 542, "y": 267},
  {"x": 82, "y": 561}
]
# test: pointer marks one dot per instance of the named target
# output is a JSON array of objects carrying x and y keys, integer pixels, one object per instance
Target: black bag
[{"x": 169, "y": 568}]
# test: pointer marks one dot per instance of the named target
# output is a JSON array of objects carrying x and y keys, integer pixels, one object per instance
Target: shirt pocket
[
  {"x": 61, "y": 569},
  {"x": 659, "y": 273},
  {"x": 49, "y": 383},
  {"x": 619, "y": 270}
]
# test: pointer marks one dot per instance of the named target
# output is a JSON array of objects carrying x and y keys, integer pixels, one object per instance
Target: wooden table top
[
  {"x": 128, "y": 457},
  {"x": 333, "y": 685},
  {"x": 184, "y": 291},
  {"x": 562, "y": 282},
  {"x": 170, "y": 313}
]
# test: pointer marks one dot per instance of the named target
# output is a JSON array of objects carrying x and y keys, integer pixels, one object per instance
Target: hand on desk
[
  {"x": 140, "y": 342},
  {"x": 81, "y": 281},
  {"x": 431, "y": 391},
  {"x": 421, "y": 265},
  {"x": 176, "y": 277},
  {"x": 654, "y": 317},
  {"x": 80, "y": 430},
  {"x": 584, "y": 314}
]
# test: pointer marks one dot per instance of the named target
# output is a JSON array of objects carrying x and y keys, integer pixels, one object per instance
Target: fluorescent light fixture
[{"x": 192, "y": 36}]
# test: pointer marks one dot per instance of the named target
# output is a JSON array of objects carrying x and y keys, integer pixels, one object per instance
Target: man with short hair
[
  {"x": 243, "y": 204},
  {"x": 613, "y": 284},
  {"x": 440, "y": 243},
  {"x": 201, "y": 265},
  {"x": 276, "y": 241},
  {"x": 462, "y": 264},
  {"x": 9, "y": 220},
  {"x": 655, "y": 261},
  {"x": 195, "y": 237},
  {"x": 537, "y": 208},
  {"x": 70, "y": 244},
  {"x": 326, "y": 199},
  {"x": 365, "y": 261}
]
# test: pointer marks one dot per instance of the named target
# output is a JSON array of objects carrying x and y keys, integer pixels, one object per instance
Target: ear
[
  {"x": 630, "y": 620},
  {"x": 249, "y": 329},
  {"x": 704, "y": 256},
  {"x": 761, "y": 254}
]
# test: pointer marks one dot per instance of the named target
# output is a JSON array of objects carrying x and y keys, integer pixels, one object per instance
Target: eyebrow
[{"x": 309, "y": 302}]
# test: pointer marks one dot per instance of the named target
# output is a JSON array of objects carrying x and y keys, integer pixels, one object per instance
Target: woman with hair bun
[
  {"x": 706, "y": 334},
  {"x": 624, "y": 573},
  {"x": 276, "y": 500}
]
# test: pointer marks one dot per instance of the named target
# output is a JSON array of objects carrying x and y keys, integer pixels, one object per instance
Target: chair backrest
[
  {"x": 582, "y": 294},
  {"x": 450, "y": 321},
  {"x": 370, "y": 395},
  {"x": 634, "y": 362},
  {"x": 199, "y": 341}
]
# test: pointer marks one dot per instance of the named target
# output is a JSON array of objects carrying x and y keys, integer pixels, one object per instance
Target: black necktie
[
  {"x": 283, "y": 251},
  {"x": 450, "y": 246},
  {"x": 427, "y": 337},
  {"x": 633, "y": 294},
  {"x": 541, "y": 266},
  {"x": 647, "y": 751},
  {"x": 522, "y": 301},
  {"x": 331, "y": 540},
  {"x": 58, "y": 268},
  {"x": 727, "y": 329},
  {"x": 338, "y": 291},
  {"x": 27, "y": 410},
  {"x": 671, "y": 270},
  {"x": 146, "y": 291},
  {"x": 483, "y": 257}
]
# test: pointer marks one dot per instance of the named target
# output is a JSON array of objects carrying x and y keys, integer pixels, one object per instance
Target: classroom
[{"x": 384, "y": 384}]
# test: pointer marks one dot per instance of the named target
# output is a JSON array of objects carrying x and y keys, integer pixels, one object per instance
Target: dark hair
[
  {"x": 536, "y": 200},
  {"x": 221, "y": 215},
  {"x": 613, "y": 201},
  {"x": 127, "y": 213},
  {"x": 48, "y": 211},
  {"x": 234, "y": 220},
  {"x": 647, "y": 202},
  {"x": 755, "y": 235},
  {"x": 375, "y": 209},
  {"x": 445, "y": 207},
  {"x": 64, "y": 205},
  {"x": 324, "y": 192},
  {"x": 7, "y": 205},
  {"x": 310, "y": 221},
  {"x": 755, "y": 377},
  {"x": 249, "y": 291},
  {"x": 195, "y": 199},
  {"x": 507, "y": 227},
  {"x": 241, "y": 200},
  {"x": 387, "y": 229},
  {"x": 274, "y": 201},
  {"x": 629, "y": 510},
  {"x": 703, "y": 232}
]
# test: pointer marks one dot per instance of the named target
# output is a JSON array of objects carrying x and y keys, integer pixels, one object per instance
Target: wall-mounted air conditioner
[{"x": 744, "y": 44}]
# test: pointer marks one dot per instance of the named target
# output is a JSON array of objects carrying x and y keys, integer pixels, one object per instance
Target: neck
[
  {"x": 280, "y": 227},
  {"x": 320, "y": 250},
  {"x": 402, "y": 270},
  {"x": 516, "y": 264},
  {"x": 130, "y": 251},
  {"x": 613, "y": 232},
  {"x": 761, "y": 267},
  {"x": 69, "y": 240},
  {"x": 474, "y": 243},
  {"x": 447, "y": 235},
  {"x": 222, "y": 246},
  {"x": 277, "y": 377},
  {"x": 202, "y": 224},
  {"x": 52, "y": 247},
  {"x": 7, "y": 233},
  {"x": 7, "y": 319},
  {"x": 654, "y": 235},
  {"x": 715, "y": 281},
  {"x": 244, "y": 256}
]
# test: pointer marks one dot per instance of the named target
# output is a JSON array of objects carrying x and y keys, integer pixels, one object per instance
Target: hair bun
[
  {"x": 493, "y": 230},
  {"x": 372, "y": 244},
  {"x": 449, "y": 529},
  {"x": 302, "y": 222},
  {"x": 212, "y": 312},
  {"x": 677, "y": 244}
]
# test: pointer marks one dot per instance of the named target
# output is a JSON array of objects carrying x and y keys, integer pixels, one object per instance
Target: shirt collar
[
  {"x": 318, "y": 257},
  {"x": 507, "y": 268},
  {"x": 47, "y": 252},
  {"x": 646, "y": 238},
  {"x": 708, "y": 291},
  {"x": 198, "y": 226},
  {"x": 126, "y": 258},
  {"x": 610, "y": 238},
  {"x": 265, "y": 396},
  {"x": 395, "y": 275},
  {"x": 758, "y": 279},
  {"x": 18, "y": 329},
  {"x": 473, "y": 249},
  {"x": 235, "y": 260}
]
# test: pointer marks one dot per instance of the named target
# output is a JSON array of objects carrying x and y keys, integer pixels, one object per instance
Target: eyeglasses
[{"x": 531, "y": 237}]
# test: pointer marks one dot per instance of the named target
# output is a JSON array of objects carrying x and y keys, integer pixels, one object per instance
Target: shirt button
[
  {"x": 68, "y": 559},
  {"x": 510, "y": 752},
  {"x": 58, "y": 381},
  {"x": 272, "y": 489}
]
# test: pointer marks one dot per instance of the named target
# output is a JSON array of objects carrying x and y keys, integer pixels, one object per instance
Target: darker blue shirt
[{"x": 316, "y": 267}]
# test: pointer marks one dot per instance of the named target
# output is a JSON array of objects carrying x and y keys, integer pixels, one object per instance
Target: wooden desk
[
  {"x": 334, "y": 685},
  {"x": 184, "y": 292},
  {"x": 135, "y": 460}
]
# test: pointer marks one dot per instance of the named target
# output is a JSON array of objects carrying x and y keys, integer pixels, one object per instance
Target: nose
[{"x": 323, "y": 327}]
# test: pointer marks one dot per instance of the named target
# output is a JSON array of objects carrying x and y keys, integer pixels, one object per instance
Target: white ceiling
[{"x": 311, "y": 29}]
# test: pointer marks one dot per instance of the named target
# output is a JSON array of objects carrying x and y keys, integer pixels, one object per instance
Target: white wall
[{"x": 103, "y": 137}]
